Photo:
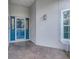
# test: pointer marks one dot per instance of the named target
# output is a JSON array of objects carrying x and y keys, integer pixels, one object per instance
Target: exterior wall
[
  {"x": 48, "y": 31},
  {"x": 33, "y": 23}
]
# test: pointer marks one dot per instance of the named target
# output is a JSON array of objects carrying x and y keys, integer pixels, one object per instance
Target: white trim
[
  {"x": 66, "y": 25},
  {"x": 64, "y": 10},
  {"x": 64, "y": 41},
  {"x": 21, "y": 16},
  {"x": 19, "y": 41},
  {"x": 15, "y": 28},
  {"x": 44, "y": 45},
  {"x": 8, "y": 28}
]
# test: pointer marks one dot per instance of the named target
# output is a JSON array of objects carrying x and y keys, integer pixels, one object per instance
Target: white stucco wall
[
  {"x": 33, "y": 23},
  {"x": 18, "y": 10},
  {"x": 48, "y": 31}
]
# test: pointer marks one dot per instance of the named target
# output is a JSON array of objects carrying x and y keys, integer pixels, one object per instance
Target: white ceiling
[{"x": 26, "y": 3}]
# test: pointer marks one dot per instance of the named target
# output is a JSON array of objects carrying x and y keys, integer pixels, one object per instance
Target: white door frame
[{"x": 19, "y": 40}]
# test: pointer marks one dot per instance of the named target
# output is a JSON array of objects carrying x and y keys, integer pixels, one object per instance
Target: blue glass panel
[
  {"x": 20, "y": 34},
  {"x": 66, "y": 17},
  {"x": 69, "y": 35},
  {"x": 66, "y": 35},
  {"x": 66, "y": 29},
  {"x": 12, "y": 28},
  {"x": 27, "y": 28},
  {"x": 66, "y": 14},
  {"x": 20, "y": 23},
  {"x": 66, "y": 22},
  {"x": 27, "y": 34}
]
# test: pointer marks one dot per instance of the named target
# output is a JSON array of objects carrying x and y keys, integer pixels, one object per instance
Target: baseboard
[{"x": 49, "y": 46}]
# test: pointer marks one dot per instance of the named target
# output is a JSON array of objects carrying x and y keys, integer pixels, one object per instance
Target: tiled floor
[{"x": 29, "y": 50}]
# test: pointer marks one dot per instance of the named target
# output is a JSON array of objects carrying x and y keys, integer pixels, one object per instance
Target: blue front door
[{"x": 20, "y": 28}]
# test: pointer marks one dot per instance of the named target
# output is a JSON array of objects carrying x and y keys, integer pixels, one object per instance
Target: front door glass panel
[{"x": 20, "y": 28}]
